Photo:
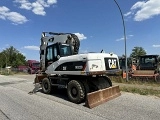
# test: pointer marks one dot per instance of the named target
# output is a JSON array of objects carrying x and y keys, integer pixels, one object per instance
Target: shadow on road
[{"x": 59, "y": 92}]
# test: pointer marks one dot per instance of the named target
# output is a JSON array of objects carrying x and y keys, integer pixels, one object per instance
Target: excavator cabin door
[{"x": 55, "y": 51}]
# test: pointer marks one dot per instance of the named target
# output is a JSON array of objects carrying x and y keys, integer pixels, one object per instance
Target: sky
[{"x": 97, "y": 23}]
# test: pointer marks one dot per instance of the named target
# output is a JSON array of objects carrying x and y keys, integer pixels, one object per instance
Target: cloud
[
  {"x": 23, "y": 53},
  {"x": 37, "y": 7},
  {"x": 122, "y": 38},
  {"x": 16, "y": 18},
  {"x": 80, "y": 36},
  {"x": 130, "y": 35},
  {"x": 7, "y": 45},
  {"x": 32, "y": 47},
  {"x": 83, "y": 51},
  {"x": 143, "y": 10},
  {"x": 156, "y": 46},
  {"x": 128, "y": 13}
]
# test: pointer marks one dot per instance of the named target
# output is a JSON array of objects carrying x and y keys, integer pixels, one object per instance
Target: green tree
[
  {"x": 12, "y": 57},
  {"x": 137, "y": 51},
  {"x": 3, "y": 60}
]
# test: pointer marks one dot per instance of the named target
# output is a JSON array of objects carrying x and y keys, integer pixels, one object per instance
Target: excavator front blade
[{"x": 98, "y": 97}]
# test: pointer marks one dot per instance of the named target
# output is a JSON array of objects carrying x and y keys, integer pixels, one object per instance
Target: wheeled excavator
[{"x": 84, "y": 76}]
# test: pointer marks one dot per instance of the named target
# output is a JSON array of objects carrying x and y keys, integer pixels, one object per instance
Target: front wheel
[
  {"x": 75, "y": 91},
  {"x": 46, "y": 86}
]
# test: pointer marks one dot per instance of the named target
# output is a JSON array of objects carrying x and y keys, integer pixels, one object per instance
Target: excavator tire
[
  {"x": 101, "y": 82},
  {"x": 46, "y": 86},
  {"x": 104, "y": 82},
  {"x": 108, "y": 80},
  {"x": 76, "y": 91},
  {"x": 86, "y": 86}
]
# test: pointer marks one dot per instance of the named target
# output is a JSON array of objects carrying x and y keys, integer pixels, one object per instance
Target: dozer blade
[{"x": 98, "y": 97}]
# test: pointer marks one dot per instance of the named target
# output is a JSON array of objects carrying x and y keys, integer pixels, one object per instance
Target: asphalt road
[{"x": 17, "y": 104}]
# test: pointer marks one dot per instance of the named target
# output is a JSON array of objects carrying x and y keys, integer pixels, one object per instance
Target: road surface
[{"x": 17, "y": 104}]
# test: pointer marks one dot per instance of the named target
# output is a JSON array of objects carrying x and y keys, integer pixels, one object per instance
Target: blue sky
[{"x": 97, "y": 23}]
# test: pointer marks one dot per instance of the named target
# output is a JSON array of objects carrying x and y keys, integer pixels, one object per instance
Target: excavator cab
[
  {"x": 65, "y": 50},
  {"x": 55, "y": 51},
  {"x": 148, "y": 62},
  {"x": 56, "y": 45}
]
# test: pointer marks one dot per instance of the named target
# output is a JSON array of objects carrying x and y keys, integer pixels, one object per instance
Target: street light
[{"x": 124, "y": 30}]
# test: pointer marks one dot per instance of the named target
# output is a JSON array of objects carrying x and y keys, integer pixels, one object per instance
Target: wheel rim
[
  {"x": 74, "y": 92},
  {"x": 45, "y": 85}
]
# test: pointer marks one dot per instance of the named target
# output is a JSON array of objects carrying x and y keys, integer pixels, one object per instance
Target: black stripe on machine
[{"x": 71, "y": 66}]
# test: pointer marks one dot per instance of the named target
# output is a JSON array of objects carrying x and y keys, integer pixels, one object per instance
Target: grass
[
  {"x": 141, "y": 91},
  {"x": 9, "y": 72},
  {"x": 142, "y": 86},
  {"x": 5, "y": 72},
  {"x": 137, "y": 81}
]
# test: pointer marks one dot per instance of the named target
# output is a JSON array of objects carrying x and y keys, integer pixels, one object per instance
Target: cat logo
[{"x": 112, "y": 63}]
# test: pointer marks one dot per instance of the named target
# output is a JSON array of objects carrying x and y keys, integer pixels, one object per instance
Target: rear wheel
[
  {"x": 108, "y": 80},
  {"x": 101, "y": 82},
  {"x": 46, "y": 86},
  {"x": 75, "y": 91}
]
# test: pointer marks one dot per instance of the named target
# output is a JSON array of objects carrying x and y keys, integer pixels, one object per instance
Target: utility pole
[{"x": 124, "y": 30}]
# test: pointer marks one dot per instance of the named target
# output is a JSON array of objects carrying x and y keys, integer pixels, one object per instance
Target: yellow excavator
[{"x": 84, "y": 76}]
